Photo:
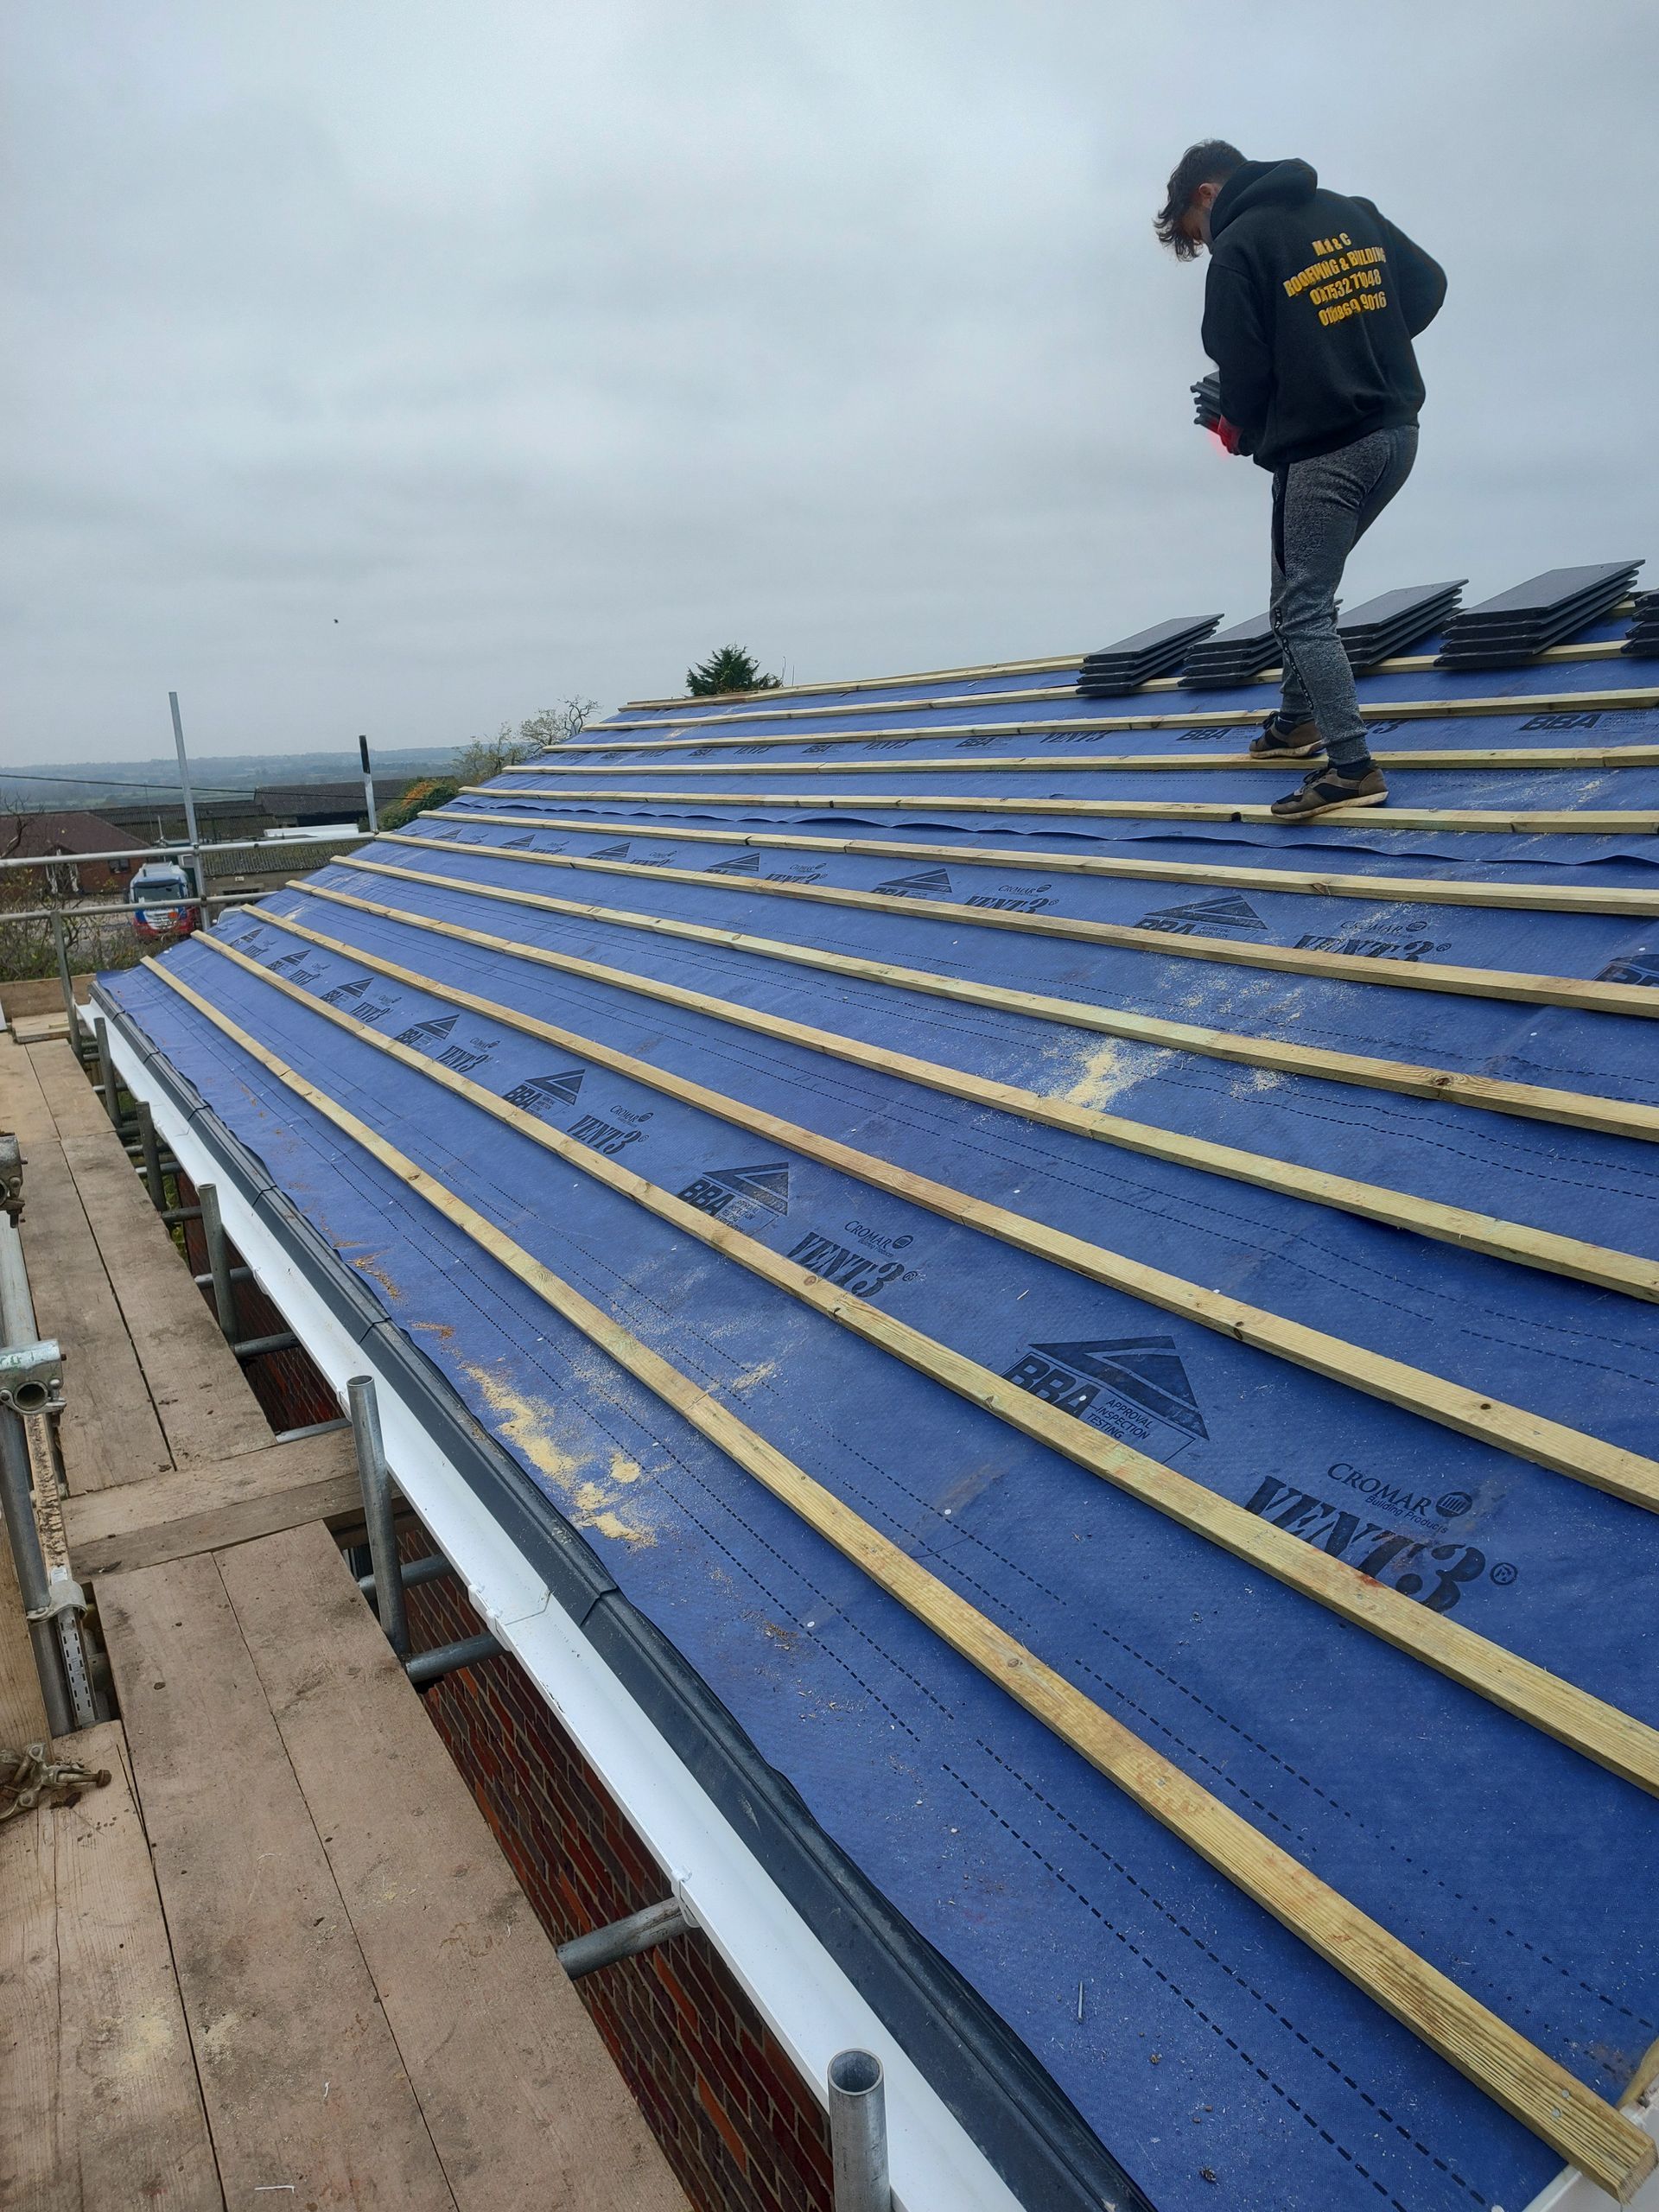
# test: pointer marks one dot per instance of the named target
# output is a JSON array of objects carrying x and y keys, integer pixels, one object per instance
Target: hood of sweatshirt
[{"x": 1261, "y": 184}]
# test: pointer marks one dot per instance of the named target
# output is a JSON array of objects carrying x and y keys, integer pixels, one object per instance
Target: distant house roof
[{"x": 28, "y": 836}]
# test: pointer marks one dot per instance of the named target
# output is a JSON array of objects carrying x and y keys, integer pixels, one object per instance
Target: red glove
[{"x": 1206, "y": 396}]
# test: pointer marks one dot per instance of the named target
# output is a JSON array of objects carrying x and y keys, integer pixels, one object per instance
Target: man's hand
[{"x": 1206, "y": 405}]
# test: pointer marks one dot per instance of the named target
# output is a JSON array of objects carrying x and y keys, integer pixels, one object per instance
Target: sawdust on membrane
[
  {"x": 1097, "y": 1074},
  {"x": 595, "y": 1484}
]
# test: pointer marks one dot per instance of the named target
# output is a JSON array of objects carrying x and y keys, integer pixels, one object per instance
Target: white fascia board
[{"x": 805, "y": 1997}]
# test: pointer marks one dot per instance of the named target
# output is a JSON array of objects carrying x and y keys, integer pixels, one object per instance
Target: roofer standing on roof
[{"x": 1312, "y": 303}]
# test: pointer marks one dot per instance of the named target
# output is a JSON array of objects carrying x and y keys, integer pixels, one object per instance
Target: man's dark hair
[{"x": 1211, "y": 162}]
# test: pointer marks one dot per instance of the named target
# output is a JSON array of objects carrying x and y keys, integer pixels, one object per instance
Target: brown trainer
[
  {"x": 1326, "y": 790},
  {"x": 1301, "y": 742}
]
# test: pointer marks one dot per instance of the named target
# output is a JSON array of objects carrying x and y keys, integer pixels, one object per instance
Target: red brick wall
[
  {"x": 290, "y": 1387},
  {"x": 741, "y": 2129}
]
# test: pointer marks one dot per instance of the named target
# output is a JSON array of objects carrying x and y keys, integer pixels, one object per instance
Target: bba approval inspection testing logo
[{"x": 1134, "y": 1388}]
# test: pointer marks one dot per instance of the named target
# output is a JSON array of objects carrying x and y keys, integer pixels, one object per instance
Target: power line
[
  {"x": 219, "y": 790},
  {"x": 120, "y": 784}
]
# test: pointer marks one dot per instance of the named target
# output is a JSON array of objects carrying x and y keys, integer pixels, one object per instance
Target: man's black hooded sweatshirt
[{"x": 1312, "y": 303}]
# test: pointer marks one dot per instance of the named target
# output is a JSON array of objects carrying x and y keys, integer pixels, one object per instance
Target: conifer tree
[{"x": 727, "y": 669}]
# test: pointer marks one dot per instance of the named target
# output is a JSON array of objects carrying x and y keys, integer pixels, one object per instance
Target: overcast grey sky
[{"x": 404, "y": 365}]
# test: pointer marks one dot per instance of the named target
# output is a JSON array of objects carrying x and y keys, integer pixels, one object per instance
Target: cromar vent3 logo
[
  {"x": 1134, "y": 1388},
  {"x": 865, "y": 1276},
  {"x": 1012, "y": 897},
  {"x": 602, "y": 1135},
  {"x": 1436, "y": 1574}
]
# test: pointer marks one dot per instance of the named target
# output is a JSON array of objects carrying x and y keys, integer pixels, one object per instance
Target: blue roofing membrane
[{"x": 1218, "y": 2058}]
